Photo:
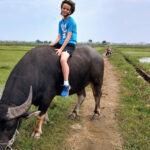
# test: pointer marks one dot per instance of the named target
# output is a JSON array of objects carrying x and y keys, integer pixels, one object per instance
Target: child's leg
[
  {"x": 65, "y": 70},
  {"x": 65, "y": 66}
]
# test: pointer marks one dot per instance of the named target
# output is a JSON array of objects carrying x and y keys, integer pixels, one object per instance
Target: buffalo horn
[{"x": 17, "y": 111}]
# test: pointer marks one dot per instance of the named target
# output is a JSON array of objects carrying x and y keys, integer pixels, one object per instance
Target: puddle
[{"x": 145, "y": 60}]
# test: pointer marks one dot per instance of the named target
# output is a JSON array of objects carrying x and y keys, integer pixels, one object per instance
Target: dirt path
[{"x": 99, "y": 134}]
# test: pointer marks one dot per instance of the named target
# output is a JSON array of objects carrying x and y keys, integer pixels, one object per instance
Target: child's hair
[{"x": 71, "y": 3}]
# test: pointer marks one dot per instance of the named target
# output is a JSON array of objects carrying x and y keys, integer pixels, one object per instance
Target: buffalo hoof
[
  {"x": 95, "y": 117},
  {"x": 72, "y": 116},
  {"x": 36, "y": 135},
  {"x": 46, "y": 121}
]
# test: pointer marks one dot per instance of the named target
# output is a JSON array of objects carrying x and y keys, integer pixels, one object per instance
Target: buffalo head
[{"x": 10, "y": 117}]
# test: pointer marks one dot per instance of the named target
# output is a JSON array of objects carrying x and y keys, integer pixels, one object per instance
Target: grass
[
  {"x": 134, "y": 112},
  {"x": 9, "y": 56},
  {"x": 101, "y": 50}
]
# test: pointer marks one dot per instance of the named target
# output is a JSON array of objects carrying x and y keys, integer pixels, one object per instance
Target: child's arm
[
  {"x": 59, "y": 51},
  {"x": 56, "y": 41}
]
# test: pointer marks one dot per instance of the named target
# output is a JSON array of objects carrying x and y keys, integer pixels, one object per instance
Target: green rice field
[{"x": 134, "y": 53}]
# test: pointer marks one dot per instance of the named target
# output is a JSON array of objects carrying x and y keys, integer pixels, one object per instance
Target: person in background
[{"x": 108, "y": 51}]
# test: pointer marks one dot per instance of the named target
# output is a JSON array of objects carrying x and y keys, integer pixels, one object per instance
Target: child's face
[{"x": 66, "y": 10}]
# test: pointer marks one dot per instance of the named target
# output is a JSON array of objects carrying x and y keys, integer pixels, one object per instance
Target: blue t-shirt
[{"x": 65, "y": 26}]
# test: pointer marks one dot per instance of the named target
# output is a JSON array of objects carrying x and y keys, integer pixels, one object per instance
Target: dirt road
[{"x": 99, "y": 134}]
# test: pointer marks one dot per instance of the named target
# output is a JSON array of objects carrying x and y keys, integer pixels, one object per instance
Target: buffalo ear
[{"x": 28, "y": 115}]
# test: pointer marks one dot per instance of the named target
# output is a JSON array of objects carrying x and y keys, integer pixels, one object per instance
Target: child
[
  {"x": 108, "y": 51},
  {"x": 66, "y": 41}
]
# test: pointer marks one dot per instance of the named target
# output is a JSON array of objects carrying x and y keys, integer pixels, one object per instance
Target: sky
[{"x": 116, "y": 21}]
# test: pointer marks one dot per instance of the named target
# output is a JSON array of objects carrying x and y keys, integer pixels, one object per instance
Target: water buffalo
[{"x": 37, "y": 79}]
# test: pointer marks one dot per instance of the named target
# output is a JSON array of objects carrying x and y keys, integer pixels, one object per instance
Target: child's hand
[{"x": 58, "y": 51}]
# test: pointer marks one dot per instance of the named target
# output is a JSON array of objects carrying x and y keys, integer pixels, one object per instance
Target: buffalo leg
[
  {"x": 97, "y": 95},
  {"x": 81, "y": 96},
  {"x": 38, "y": 129},
  {"x": 46, "y": 119},
  {"x": 42, "y": 116}
]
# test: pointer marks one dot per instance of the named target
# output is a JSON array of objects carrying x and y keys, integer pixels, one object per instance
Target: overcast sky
[{"x": 110, "y": 20}]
